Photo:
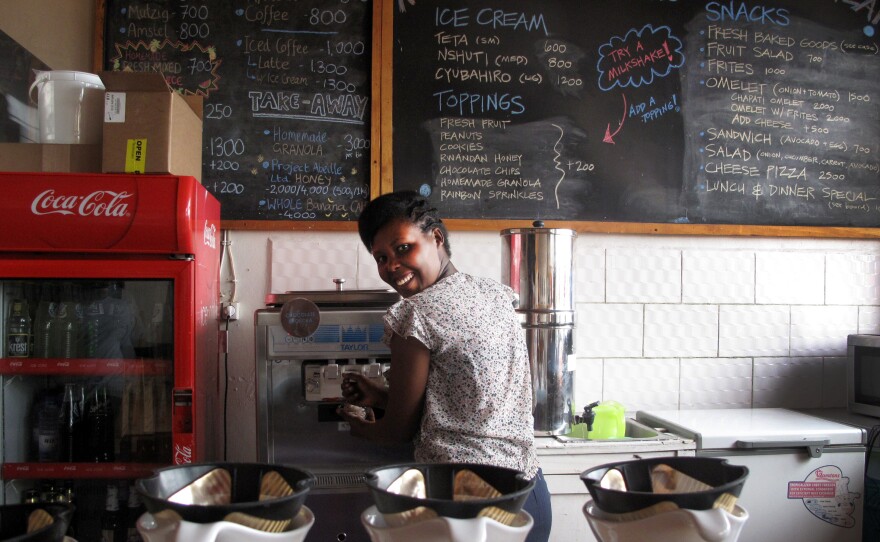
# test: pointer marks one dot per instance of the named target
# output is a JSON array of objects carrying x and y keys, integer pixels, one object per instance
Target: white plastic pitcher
[{"x": 70, "y": 106}]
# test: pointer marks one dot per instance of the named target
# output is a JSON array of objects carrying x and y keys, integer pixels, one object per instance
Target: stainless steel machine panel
[
  {"x": 298, "y": 393},
  {"x": 294, "y": 425}
]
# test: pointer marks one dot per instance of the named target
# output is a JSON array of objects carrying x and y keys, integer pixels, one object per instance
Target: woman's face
[{"x": 408, "y": 260}]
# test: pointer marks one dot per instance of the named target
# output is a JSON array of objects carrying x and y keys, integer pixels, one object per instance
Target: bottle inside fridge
[
  {"x": 18, "y": 330},
  {"x": 87, "y": 376}
]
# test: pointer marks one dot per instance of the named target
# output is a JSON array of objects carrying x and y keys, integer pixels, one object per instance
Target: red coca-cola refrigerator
[{"x": 110, "y": 335}]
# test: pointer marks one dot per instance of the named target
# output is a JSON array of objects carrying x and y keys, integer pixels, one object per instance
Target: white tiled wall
[
  {"x": 721, "y": 323},
  {"x": 666, "y": 322},
  {"x": 662, "y": 321}
]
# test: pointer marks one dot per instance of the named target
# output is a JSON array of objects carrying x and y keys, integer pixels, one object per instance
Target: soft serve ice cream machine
[
  {"x": 306, "y": 342},
  {"x": 323, "y": 381}
]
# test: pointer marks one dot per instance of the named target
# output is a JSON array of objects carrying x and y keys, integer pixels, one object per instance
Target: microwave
[{"x": 863, "y": 374}]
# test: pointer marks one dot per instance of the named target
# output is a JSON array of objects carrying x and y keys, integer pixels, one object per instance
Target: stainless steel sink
[{"x": 634, "y": 431}]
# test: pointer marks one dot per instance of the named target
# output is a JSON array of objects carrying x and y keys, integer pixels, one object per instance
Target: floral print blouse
[{"x": 478, "y": 399}]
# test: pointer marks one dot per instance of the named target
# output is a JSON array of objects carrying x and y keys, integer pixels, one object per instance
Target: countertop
[
  {"x": 842, "y": 415},
  {"x": 666, "y": 442}
]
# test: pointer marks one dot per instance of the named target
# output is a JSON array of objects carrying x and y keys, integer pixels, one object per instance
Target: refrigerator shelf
[
  {"x": 32, "y": 471},
  {"x": 84, "y": 367}
]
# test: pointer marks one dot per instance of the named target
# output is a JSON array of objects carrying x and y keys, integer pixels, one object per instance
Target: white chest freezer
[{"x": 806, "y": 474}]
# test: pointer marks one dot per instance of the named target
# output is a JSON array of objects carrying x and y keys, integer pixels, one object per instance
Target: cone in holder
[
  {"x": 34, "y": 522},
  {"x": 447, "y": 502},
  {"x": 226, "y": 501},
  {"x": 679, "y": 499}
]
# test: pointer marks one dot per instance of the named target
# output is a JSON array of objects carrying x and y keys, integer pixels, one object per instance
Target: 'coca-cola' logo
[
  {"x": 98, "y": 203},
  {"x": 209, "y": 235},
  {"x": 182, "y": 454}
]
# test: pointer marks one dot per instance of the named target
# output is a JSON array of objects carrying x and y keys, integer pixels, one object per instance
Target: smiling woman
[{"x": 459, "y": 388}]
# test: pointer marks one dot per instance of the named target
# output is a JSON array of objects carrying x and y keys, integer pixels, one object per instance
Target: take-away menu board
[
  {"x": 287, "y": 101},
  {"x": 684, "y": 112}
]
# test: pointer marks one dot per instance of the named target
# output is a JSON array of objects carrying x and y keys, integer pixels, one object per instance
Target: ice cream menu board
[
  {"x": 690, "y": 112},
  {"x": 287, "y": 100}
]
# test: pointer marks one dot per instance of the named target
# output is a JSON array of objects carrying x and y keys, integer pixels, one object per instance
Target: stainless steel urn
[{"x": 538, "y": 263}]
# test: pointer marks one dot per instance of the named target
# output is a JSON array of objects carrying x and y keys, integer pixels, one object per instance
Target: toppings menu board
[
  {"x": 287, "y": 96},
  {"x": 683, "y": 112}
]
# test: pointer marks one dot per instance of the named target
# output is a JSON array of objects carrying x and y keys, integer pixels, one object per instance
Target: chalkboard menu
[
  {"x": 679, "y": 112},
  {"x": 286, "y": 87}
]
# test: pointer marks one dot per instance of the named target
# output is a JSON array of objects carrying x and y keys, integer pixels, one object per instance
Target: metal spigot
[
  {"x": 339, "y": 282},
  {"x": 588, "y": 417}
]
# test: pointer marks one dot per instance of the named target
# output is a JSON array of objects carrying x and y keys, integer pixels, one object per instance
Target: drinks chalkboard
[
  {"x": 646, "y": 111},
  {"x": 287, "y": 94}
]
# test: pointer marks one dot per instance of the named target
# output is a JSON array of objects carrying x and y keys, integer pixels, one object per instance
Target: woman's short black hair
[{"x": 403, "y": 204}]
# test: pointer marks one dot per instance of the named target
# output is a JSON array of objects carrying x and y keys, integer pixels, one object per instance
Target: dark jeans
[{"x": 538, "y": 506}]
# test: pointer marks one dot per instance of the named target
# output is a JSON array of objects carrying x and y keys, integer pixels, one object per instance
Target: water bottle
[
  {"x": 103, "y": 328},
  {"x": 97, "y": 331},
  {"x": 111, "y": 527},
  {"x": 18, "y": 330},
  {"x": 68, "y": 321},
  {"x": 134, "y": 509},
  {"x": 99, "y": 439},
  {"x": 71, "y": 422},
  {"x": 44, "y": 326},
  {"x": 49, "y": 430}
]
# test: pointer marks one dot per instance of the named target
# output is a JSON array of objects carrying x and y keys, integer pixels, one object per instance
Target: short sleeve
[{"x": 404, "y": 319}]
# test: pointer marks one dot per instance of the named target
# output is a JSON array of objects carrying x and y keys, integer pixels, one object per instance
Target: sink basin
[{"x": 634, "y": 431}]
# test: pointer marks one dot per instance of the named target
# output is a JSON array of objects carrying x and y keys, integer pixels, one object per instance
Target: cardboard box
[
  {"x": 149, "y": 128},
  {"x": 36, "y": 157}
]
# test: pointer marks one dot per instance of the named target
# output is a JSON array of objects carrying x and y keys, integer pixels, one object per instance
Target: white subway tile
[
  {"x": 368, "y": 272},
  {"x": 788, "y": 382},
  {"x": 788, "y": 303},
  {"x": 642, "y": 384},
  {"x": 834, "y": 383},
  {"x": 718, "y": 276},
  {"x": 869, "y": 320},
  {"x": 716, "y": 383},
  {"x": 789, "y": 278},
  {"x": 643, "y": 276},
  {"x": 852, "y": 279},
  {"x": 681, "y": 331},
  {"x": 477, "y": 254},
  {"x": 311, "y": 263},
  {"x": 822, "y": 331},
  {"x": 752, "y": 330},
  {"x": 589, "y": 274},
  {"x": 588, "y": 378},
  {"x": 609, "y": 330}
]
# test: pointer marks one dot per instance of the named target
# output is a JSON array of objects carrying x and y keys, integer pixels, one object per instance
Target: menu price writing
[
  {"x": 493, "y": 149},
  {"x": 785, "y": 117},
  {"x": 688, "y": 111},
  {"x": 286, "y": 87}
]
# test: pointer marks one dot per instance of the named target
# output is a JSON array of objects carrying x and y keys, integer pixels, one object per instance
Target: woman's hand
[
  {"x": 361, "y": 391},
  {"x": 402, "y": 401},
  {"x": 358, "y": 418}
]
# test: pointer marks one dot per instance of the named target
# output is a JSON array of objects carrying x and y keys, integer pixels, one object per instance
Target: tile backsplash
[
  {"x": 722, "y": 323},
  {"x": 674, "y": 322}
]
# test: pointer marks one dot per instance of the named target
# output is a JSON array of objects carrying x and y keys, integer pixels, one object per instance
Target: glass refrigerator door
[{"x": 87, "y": 373}]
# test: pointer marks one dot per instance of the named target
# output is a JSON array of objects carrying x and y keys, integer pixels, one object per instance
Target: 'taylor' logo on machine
[{"x": 98, "y": 203}]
